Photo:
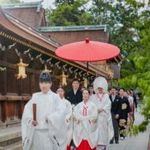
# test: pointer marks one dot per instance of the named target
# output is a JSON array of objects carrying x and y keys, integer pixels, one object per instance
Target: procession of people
[{"x": 87, "y": 119}]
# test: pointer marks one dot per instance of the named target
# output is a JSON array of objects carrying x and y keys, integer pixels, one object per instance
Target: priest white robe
[
  {"x": 105, "y": 128},
  {"x": 85, "y": 124},
  {"x": 50, "y": 117}
]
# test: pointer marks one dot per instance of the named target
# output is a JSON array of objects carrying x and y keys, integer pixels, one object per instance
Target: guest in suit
[
  {"x": 74, "y": 95},
  {"x": 115, "y": 109}
]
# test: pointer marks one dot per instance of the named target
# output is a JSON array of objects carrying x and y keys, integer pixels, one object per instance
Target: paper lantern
[
  {"x": 47, "y": 70},
  {"x": 63, "y": 79},
  {"x": 21, "y": 69}
]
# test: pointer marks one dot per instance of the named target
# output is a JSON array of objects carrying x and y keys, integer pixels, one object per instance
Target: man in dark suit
[
  {"x": 74, "y": 95},
  {"x": 115, "y": 109}
]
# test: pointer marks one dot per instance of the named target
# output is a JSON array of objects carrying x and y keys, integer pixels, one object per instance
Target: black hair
[
  {"x": 113, "y": 87},
  {"x": 122, "y": 89},
  {"x": 86, "y": 90},
  {"x": 75, "y": 80},
  {"x": 90, "y": 86},
  {"x": 61, "y": 88}
]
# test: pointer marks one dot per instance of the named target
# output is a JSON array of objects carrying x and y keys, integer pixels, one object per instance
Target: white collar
[
  {"x": 75, "y": 91},
  {"x": 49, "y": 92}
]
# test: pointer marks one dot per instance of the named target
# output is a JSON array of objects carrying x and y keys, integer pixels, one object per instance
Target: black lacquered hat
[{"x": 45, "y": 77}]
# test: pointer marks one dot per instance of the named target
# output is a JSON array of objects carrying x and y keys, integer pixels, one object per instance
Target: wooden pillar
[
  {"x": 19, "y": 86},
  {"x": 32, "y": 83},
  {"x": 3, "y": 103},
  {"x": 3, "y": 113},
  {"x": 4, "y": 83},
  {"x": 4, "y": 74}
]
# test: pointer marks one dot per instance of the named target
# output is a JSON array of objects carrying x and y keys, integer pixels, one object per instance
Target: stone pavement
[
  {"x": 10, "y": 138},
  {"x": 139, "y": 142}
]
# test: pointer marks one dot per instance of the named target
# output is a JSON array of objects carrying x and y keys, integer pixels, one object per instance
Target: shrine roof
[
  {"x": 19, "y": 28},
  {"x": 73, "y": 28},
  {"x": 31, "y": 13},
  {"x": 22, "y": 5}
]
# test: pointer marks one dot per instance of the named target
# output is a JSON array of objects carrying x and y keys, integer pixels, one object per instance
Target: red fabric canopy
[{"x": 87, "y": 51}]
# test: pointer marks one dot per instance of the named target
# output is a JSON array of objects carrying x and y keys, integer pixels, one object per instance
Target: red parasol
[{"x": 87, "y": 51}]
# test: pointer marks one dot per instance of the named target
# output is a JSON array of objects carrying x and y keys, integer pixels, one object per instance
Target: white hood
[{"x": 100, "y": 82}]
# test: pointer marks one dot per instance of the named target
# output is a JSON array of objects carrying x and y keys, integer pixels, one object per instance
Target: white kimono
[
  {"x": 85, "y": 124},
  {"x": 68, "y": 121},
  {"x": 47, "y": 134},
  {"x": 104, "y": 119}
]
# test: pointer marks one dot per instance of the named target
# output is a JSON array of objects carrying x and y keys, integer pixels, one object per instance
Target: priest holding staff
[{"x": 43, "y": 118}]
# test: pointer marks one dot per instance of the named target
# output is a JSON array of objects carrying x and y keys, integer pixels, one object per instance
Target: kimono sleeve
[
  {"x": 26, "y": 125},
  {"x": 107, "y": 104},
  {"x": 128, "y": 107}
]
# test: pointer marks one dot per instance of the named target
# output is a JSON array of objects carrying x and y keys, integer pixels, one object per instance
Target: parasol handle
[
  {"x": 87, "y": 40},
  {"x": 87, "y": 68}
]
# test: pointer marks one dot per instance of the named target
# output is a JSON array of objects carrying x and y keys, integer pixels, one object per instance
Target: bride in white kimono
[
  {"x": 42, "y": 119},
  {"x": 85, "y": 133},
  {"x": 103, "y": 103}
]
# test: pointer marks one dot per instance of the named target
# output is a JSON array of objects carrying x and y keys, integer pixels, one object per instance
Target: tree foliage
[
  {"x": 70, "y": 13},
  {"x": 140, "y": 54},
  {"x": 129, "y": 29}
]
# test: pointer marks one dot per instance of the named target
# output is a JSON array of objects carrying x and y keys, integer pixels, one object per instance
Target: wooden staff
[{"x": 34, "y": 112}]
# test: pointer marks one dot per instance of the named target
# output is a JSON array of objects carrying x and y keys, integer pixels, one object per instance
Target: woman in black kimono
[{"x": 124, "y": 112}]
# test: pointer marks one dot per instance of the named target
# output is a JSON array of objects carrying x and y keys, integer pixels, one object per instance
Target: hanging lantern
[
  {"x": 21, "y": 69},
  {"x": 63, "y": 79},
  {"x": 2, "y": 69},
  {"x": 111, "y": 74},
  {"x": 85, "y": 82},
  {"x": 46, "y": 69}
]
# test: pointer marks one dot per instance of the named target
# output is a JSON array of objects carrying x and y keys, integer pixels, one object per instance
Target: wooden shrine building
[{"x": 27, "y": 47}]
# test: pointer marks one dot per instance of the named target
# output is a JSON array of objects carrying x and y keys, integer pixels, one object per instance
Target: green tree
[
  {"x": 129, "y": 29},
  {"x": 74, "y": 13},
  {"x": 140, "y": 78},
  {"x": 120, "y": 17},
  {"x": 128, "y": 23}
]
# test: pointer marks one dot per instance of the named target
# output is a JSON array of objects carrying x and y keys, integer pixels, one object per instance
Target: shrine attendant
[
  {"x": 85, "y": 134},
  {"x": 43, "y": 118},
  {"x": 103, "y": 103},
  {"x": 68, "y": 119}
]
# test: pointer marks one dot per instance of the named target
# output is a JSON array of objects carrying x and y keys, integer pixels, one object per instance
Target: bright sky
[
  {"x": 46, "y": 3},
  {"x": 49, "y": 3}
]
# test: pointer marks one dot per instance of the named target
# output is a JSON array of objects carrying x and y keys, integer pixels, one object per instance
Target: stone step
[
  {"x": 15, "y": 146},
  {"x": 10, "y": 136}
]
